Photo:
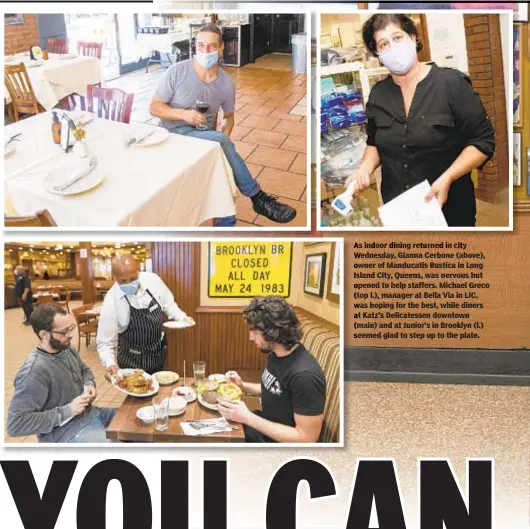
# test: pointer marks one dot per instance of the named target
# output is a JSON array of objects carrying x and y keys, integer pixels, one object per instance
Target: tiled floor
[
  {"x": 20, "y": 341},
  {"x": 270, "y": 132}
]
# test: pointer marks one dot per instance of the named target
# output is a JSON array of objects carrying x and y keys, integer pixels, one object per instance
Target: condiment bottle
[
  {"x": 56, "y": 129},
  {"x": 45, "y": 54}
]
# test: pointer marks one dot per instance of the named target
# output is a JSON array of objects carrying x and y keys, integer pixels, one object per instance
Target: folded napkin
[
  {"x": 206, "y": 427},
  {"x": 62, "y": 182}
]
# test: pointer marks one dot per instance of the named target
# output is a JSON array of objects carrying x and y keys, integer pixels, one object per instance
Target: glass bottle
[{"x": 56, "y": 129}]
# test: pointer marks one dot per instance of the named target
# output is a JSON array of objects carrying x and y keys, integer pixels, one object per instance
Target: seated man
[
  {"x": 202, "y": 79},
  {"x": 293, "y": 385},
  {"x": 54, "y": 389}
]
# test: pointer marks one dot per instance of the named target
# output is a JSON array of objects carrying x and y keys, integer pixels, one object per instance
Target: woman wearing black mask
[{"x": 424, "y": 123}]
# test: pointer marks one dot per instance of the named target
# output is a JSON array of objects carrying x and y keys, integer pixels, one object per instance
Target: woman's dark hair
[
  {"x": 212, "y": 28},
  {"x": 275, "y": 318},
  {"x": 42, "y": 317},
  {"x": 378, "y": 22}
]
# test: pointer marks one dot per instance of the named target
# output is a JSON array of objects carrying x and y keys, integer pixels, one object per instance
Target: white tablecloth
[
  {"x": 181, "y": 182},
  {"x": 58, "y": 78}
]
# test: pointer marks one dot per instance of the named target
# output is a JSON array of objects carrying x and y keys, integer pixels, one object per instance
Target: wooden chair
[
  {"x": 113, "y": 104},
  {"x": 66, "y": 302},
  {"x": 86, "y": 326},
  {"x": 41, "y": 219},
  {"x": 23, "y": 100},
  {"x": 89, "y": 49},
  {"x": 59, "y": 46}
]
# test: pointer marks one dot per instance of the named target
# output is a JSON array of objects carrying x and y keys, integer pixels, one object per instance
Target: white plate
[
  {"x": 189, "y": 399},
  {"x": 146, "y": 414},
  {"x": 177, "y": 414},
  {"x": 34, "y": 64},
  {"x": 9, "y": 149},
  {"x": 160, "y": 134},
  {"x": 173, "y": 413},
  {"x": 172, "y": 373},
  {"x": 85, "y": 184},
  {"x": 212, "y": 407},
  {"x": 178, "y": 324},
  {"x": 126, "y": 372},
  {"x": 65, "y": 56},
  {"x": 217, "y": 377}
]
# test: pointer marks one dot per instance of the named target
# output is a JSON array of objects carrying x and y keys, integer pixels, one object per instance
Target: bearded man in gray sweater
[{"x": 54, "y": 389}]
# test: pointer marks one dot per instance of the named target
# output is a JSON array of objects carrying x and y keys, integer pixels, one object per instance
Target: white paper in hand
[{"x": 409, "y": 210}]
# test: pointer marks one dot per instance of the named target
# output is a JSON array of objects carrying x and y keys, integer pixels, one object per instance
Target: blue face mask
[
  {"x": 208, "y": 60},
  {"x": 130, "y": 289}
]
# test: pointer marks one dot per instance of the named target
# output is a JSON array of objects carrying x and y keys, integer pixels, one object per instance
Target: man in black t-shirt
[
  {"x": 23, "y": 292},
  {"x": 293, "y": 385}
]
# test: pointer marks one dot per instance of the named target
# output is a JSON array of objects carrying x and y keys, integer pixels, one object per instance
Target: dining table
[
  {"x": 174, "y": 181},
  {"x": 37, "y": 295},
  {"x": 47, "y": 288},
  {"x": 59, "y": 76},
  {"x": 125, "y": 426}
]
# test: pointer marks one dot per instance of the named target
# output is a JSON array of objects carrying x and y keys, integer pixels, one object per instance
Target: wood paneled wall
[{"x": 220, "y": 337}]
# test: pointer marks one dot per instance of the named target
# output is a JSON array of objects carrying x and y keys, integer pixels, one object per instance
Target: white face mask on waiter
[{"x": 399, "y": 57}]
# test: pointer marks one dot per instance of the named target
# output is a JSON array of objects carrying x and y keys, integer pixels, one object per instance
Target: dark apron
[{"x": 141, "y": 345}]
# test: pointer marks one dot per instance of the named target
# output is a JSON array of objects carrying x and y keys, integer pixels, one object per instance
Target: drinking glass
[
  {"x": 161, "y": 411},
  {"x": 199, "y": 372},
  {"x": 202, "y": 107}
]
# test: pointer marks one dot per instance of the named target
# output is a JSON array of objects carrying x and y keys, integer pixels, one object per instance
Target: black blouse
[{"x": 446, "y": 116}]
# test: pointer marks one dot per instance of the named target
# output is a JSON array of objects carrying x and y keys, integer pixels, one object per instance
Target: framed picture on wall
[
  {"x": 333, "y": 293},
  {"x": 521, "y": 15},
  {"x": 13, "y": 19},
  {"x": 517, "y": 152},
  {"x": 517, "y": 87},
  {"x": 315, "y": 273},
  {"x": 528, "y": 170}
]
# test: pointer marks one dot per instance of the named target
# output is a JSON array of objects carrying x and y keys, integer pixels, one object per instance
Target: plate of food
[
  {"x": 166, "y": 378},
  {"x": 209, "y": 393},
  {"x": 136, "y": 383},
  {"x": 217, "y": 377},
  {"x": 185, "y": 392}
]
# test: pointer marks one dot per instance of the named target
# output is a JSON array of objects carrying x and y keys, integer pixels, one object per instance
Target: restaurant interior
[
  {"x": 204, "y": 280},
  {"x": 126, "y": 54},
  {"x": 449, "y": 40}
]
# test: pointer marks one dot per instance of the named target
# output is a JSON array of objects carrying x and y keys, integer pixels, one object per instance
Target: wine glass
[{"x": 202, "y": 106}]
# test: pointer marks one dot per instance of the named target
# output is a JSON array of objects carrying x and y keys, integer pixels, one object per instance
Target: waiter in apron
[{"x": 131, "y": 319}]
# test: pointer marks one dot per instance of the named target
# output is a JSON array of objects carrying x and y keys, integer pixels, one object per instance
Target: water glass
[
  {"x": 161, "y": 412},
  {"x": 199, "y": 372}
]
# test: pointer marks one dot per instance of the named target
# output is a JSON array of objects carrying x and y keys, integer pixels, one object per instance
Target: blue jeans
[
  {"x": 244, "y": 180},
  {"x": 94, "y": 431}
]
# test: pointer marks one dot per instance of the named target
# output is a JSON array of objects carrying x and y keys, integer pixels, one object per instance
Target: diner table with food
[
  {"x": 131, "y": 175},
  {"x": 162, "y": 408},
  {"x": 58, "y": 76}
]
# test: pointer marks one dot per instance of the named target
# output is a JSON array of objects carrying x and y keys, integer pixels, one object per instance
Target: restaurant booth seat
[
  {"x": 324, "y": 345},
  {"x": 10, "y": 299}
]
